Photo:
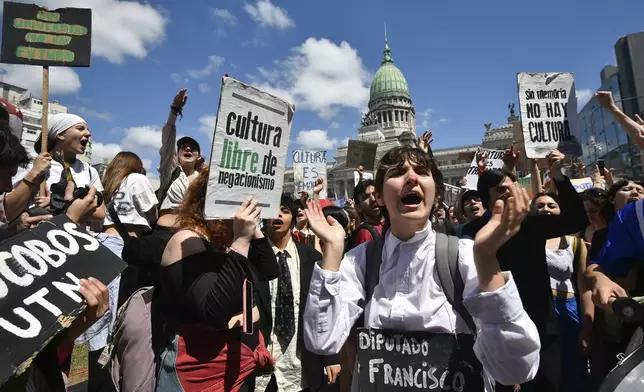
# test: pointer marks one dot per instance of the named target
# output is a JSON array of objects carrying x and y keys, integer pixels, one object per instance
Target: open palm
[
  {"x": 505, "y": 221},
  {"x": 326, "y": 228}
]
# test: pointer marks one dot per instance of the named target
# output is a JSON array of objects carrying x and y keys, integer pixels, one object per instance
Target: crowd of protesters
[{"x": 532, "y": 273}]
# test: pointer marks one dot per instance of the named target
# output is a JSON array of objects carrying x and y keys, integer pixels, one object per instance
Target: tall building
[
  {"x": 390, "y": 122},
  {"x": 601, "y": 136},
  {"x": 629, "y": 52}
]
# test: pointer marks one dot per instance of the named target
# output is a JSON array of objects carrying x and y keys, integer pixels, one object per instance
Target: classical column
[{"x": 391, "y": 116}]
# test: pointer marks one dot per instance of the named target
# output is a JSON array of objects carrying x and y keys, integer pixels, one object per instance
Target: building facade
[{"x": 602, "y": 137}]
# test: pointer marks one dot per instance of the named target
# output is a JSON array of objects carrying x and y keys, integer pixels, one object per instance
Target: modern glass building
[{"x": 602, "y": 137}]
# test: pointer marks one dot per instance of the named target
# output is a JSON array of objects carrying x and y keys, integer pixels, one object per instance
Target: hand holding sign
[
  {"x": 97, "y": 297},
  {"x": 245, "y": 220},
  {"x": 505, "y": 223},
  {"x": 555, "y": 161},
  {"x": 319, "y": 186}
]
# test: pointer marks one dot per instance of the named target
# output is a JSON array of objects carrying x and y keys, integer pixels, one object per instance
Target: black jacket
[
  {"x": 312, "y": 364},
  {"x": 525, "y": 254}
]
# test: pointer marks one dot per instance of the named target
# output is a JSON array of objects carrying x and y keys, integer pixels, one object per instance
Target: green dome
[{"x": 389, "y": 82}]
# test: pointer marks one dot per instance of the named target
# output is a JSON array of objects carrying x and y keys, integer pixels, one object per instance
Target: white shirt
[
  {"x": 560, "y": 267},
  {"x": 82, "y": 173},
  {"x": 409, "y": 298},
  {"x": 133, "y": 199},
  {"x": 177, "y": 191},
  {"x": 288, "y": 367}
]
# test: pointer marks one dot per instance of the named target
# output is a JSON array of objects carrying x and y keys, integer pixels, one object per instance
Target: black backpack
[
  {"x": 446, "y": 266},
  {"x": 351, "y": 241}
]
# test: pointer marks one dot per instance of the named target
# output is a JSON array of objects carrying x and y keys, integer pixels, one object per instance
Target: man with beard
[
  {"x": 281, "y": 303},
  {"x": 364, "y": 196},
  {"x": 529, "y": 245}
]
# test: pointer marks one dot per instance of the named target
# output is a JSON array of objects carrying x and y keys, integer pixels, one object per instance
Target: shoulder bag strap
[{"x": 373, "y": 253}]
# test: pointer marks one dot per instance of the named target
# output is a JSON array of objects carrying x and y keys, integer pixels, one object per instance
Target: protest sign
[
  {"x": 365, "y": 176},
  {"x": 39, "y": 273},
  {"x": 393, "y": 361},
  {"x": 361, "y": 153},
  {"x": 494, "y": 161},
  {"x": 581, "y": 184},
  {"x": 549, "y": 113},
  {"x": 249, "y": 150},
  {"x": 308, "y": 167},
  {"x": 36, "y": 36}
]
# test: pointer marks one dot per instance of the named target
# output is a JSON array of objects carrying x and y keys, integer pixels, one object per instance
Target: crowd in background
[{"x": 537, "y": 275}]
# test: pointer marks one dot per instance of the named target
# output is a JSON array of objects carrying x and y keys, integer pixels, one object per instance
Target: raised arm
[
  {"x": 507, "y": 343},
  {"x": 336, "y": 288},
  {"x": 168, "y": 152},
  {"x": 573, "y": 217},
  {"x": 634, "y": 129}
]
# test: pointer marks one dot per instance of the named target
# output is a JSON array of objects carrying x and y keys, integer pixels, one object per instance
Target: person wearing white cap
[{"x": 68, "y": 136}]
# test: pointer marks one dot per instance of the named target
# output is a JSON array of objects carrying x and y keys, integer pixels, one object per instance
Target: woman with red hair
[{"x": 203, "y": 272}]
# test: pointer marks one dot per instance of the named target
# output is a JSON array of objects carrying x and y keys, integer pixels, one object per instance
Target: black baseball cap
[
  {"x": 189, "y": 141},
  {"x": 468, "y": 194}
]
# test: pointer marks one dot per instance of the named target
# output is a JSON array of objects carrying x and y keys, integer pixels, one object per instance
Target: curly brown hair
[{"x": 191, "y": 214}]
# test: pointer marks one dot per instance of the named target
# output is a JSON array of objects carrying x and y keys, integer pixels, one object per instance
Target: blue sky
[{"x": 460, "y": 59}]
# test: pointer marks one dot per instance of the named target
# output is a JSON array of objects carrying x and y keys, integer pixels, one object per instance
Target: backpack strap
[
  {"x": 373, "y": 253},
  {"x": 450, "y": 276}
]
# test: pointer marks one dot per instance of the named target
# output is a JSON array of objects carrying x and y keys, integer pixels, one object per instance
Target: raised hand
[
  {"x": 605, "y": 99},
  {"x": 319, "y": 186},
  {"x": 639, "y": 120},
  {"x": 505, "y": 222},
  {"x": 326, "y": 228},
  {"x": 511, "y": 157},
  {"x": 481, "y": 161},
  {"x": 425, "y": 140},
  {"x": 463, "y": 181},
  {"x": 245, "y": 220},
  {"x": 555, "y": 161},
  {"x": 180, "y": 99}
]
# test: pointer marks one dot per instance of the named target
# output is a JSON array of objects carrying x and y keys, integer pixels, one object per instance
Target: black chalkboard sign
[
  {"x": 395, "y": 361},
  {"x": 37, "y": 36},
  {"x": 39, "y": 273},
  {"x": 361, "y": 153}
]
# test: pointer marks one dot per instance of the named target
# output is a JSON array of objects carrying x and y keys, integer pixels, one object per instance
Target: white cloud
[
  {"x": 321, "y": 76},
  {"x": 214, "y": 62},
  {"x": 583, "y": 96},
  {"x": 102, "y": 153},
  {"x": 147, "y": 164},
  {"x": 177, "y": 78},
  {"x": 94, "y": 113},
  {"x": 267, "y": 14},
  {"x": 204, "y": 87},
  {"x": 427, "y": 112},
  {"x": 120, "y": 28},
  {"x": 425, "y": 123},
  {"x": 62, "y": 80},
  {"x": 225, "y": 16},
  {"x": 315, "y": 139},
  {"x": 142, "y": 138},
  {"x": 207, "y": 124},
  {"x": 334, "y": 125}
]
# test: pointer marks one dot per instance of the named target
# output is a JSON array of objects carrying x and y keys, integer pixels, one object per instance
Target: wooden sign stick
[{"x": 43, "y": 121}]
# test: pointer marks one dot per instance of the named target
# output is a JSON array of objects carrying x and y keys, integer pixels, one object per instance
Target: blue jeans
[{"x": 574, "y": 369}]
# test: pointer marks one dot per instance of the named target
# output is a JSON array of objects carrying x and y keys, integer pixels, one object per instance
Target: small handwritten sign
[
  {"x": 396, "y": 361},
  {"x": 36, "y": 36}
]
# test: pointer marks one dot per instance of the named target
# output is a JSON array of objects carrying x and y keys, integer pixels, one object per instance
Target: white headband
[{"x": 60, "y": 122}]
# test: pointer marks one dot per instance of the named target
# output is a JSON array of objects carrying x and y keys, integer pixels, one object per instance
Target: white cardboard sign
[
  {"x": 249, "y": 150},
  {"x": 494, "y": 161},
  {"x": 308, "y": 167},
  {"x": 549, "y": 113}
]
